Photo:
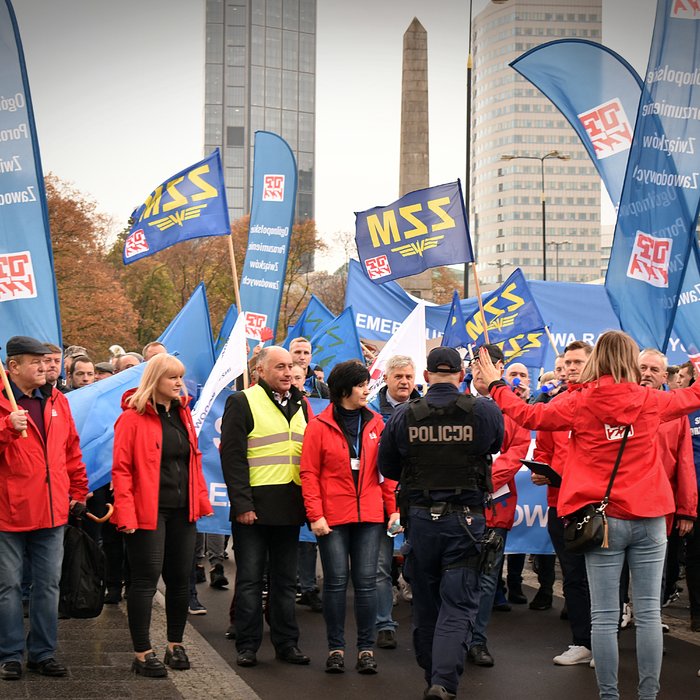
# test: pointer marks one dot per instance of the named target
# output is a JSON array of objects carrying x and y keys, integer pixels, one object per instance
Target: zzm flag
[
  {"x": 191, "y": 204},
  {"x": 423, "y": 229}
]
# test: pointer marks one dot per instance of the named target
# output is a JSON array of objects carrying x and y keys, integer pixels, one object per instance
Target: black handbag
[{"x": 587, "y": 528}]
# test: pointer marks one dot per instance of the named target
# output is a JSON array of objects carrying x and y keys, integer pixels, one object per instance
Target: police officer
[{"x": 440, "y": 447}]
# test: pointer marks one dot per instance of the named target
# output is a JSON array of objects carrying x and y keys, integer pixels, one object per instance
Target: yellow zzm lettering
[
  {"x": 208, "y": 191},
  {"x": 179, "y": 199},
  {"x": 152, "y": 203},
  {"x": 407, "y": 213},
  {"x": 508, "y": 295},
  {"x": 446, "y": 221},
  {"x": 475, "y": 326},
  {"x": 387, "y": 231}
]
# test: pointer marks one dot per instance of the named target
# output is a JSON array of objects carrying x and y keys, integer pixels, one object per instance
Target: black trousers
[{"x": 167, "y": 550}]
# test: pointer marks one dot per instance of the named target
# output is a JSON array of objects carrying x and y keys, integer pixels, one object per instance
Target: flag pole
[
  {"x": 551, "y": 341},
  {"x": 10, "y": 395},
  {"x": 237, "y": 295},
  {"x": 481, "y": 303}
]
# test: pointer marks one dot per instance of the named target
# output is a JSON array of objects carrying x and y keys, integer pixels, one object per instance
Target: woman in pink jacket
[
  {"x": 597, "y": 411},
  {"x": 159, "y": 493}
]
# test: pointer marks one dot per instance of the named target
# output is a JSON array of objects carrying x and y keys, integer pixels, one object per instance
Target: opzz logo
[
  {"x": 608, "y": 128},
  {"x": 136, "y": 243},
  {"x": 650, "y": 259},
  {"x": 377, "y": 267},
  {"x": 17, "y": 276},
  {"x": 273, "y": 188},
  {"x": 255, "y": 324},
  {"x": 617, "y": 432},
  {"x": 686, "y": 9}
]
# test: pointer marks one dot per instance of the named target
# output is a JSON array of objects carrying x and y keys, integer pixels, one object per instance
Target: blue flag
[
  {"x": 455, "y": 334},
  {"x": 97, "y": 406},
  {"x": 271, "y": 220},
  {"x": 655, "y": 230},
  {"x": 423, "y": 229},
  {"x": 28, "y": 298},
  {"x": 313, "y": 317},
  {"x": 336, "y": 342},
  {"x": 226, "y": 327},
  {"x": 191, "y": 204}
]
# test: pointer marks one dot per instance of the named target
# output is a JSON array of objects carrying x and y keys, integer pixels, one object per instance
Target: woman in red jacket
[
  {"x": 159, "y": 493},
  {"x": 345, "y": 499},
  {"x": 597, "y": 411}
]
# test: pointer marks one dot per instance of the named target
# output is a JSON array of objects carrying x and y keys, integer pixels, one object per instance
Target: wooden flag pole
[
  {"x": 481, "y": 303},
  {"x": 551, "y": 340},
  {"x": 10, "y": 395},
  {"x": 237, "y": 296}
]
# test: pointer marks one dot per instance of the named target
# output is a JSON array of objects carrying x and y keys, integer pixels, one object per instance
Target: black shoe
[
  {"x": 292, "y": 655},
  {"x": 217, "y": 578},
  {"x": 516, "y": 596},
  {"x": 48, "y": 667},
  {"x": 386, "y": 639},
  {"x": 199, "y": 574},
  {"x": 502, "y": 606},
  {"x": 366, "y": 663},
  {"x": 177, "y": 658},
  {"x": 312, "y": 599},
  {"x": 231, "y": 632},
  {"x": 335, "y": 663},
  {"x": 541, "y": 601},
  {"x": 695, "y": 623},
  {"x": 247, "y": 658},
  {"x": 564, "y": 614},
  {"x": 150, "y": 667},
  {"x": 113, "y": 595},
  {"x": 479, "y": 655},
  {"x": 11, "y": 671},
  {"x": 438, "y": 692}
]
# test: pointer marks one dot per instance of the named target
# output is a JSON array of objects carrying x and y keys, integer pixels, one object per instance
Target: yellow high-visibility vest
[{"x": 274, "y": 445}]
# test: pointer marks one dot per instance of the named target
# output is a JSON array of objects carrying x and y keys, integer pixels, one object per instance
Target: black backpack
[{"x": 82, "y": 575}]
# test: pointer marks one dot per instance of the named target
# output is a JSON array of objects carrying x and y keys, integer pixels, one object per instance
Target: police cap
[{"x": 444, "y": 361}]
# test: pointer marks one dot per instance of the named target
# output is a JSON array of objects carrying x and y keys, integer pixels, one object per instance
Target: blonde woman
[{"x": 159, "y": 493}]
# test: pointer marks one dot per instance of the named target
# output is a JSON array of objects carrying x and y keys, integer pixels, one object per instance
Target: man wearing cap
[
  {"x": 440, "y": 447},
  {"x": 103, "y": 370},
  {"x": 42, "y": 476}
]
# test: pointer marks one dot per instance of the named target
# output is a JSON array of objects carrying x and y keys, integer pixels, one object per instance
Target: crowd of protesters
[{"x": 428, "y": 456}]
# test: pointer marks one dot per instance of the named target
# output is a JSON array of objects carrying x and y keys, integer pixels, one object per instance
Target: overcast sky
[{"x": 118, "y": 92}]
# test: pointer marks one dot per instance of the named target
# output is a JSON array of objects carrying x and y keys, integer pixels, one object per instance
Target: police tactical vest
[
  {"x": 274, "y": 445},
  {"x": 439, "y": 440}
]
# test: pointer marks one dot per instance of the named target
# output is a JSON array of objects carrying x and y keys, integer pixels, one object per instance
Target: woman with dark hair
[
  {"x": 159, "y": 493},
  {"x": 345, "y": 499},
  {"x": 599, "y": 411}
]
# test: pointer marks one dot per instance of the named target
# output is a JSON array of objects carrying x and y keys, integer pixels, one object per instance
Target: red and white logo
[
  {"x": 617, "y": 432},
  {"x": 255, "y": 324},
  {"x": 273, "y": 188},
  {"x": 649, "y": 260},
  {"x": 16, "y": 276},
  {"x": 608, "y": 128},
  {"x": 136, "y": 243},
  {"x": 378, "y": 267},
  {"x": 686, "y": 9},
  {"x": 695, "y": 359}
]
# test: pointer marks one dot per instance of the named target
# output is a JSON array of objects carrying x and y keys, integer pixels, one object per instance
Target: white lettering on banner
[
  {"x": 12, "y": 104},
  {"x": 281, "y": 231},
  {"x": 217, "y": 427},
  {"x": 665, "y": 109},
  {"x": 649, "y": 261},
  {"x": 652, "y": 200},
  {"x": 12, "y": 165},
  {"x": 254, "y": 282},
  {"x": 15, "y": 134},
  {"x": 18, "y": 196},
  {"x": 218, "y": 495},
  {"x": 386, "y": 326},
  {"x": 686, "y": 9},
  {"x": 689, "y": 296},
  {"x": 17, "y": 276},
  {"x": 648, "y": 176},
  {"x": 266, "y": 266},
  {"x": 608, "y": 128},
  {"x": 666, "y": 145},
  {"x": 262, "y": 248},
  {"x": 530, "y": 514}
]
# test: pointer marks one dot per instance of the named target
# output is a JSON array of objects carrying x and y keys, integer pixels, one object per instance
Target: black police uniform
[{"x": 439, "y": 448}]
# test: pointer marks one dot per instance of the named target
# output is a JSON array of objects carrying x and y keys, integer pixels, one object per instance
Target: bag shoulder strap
[{"x": 617, "y": 464}]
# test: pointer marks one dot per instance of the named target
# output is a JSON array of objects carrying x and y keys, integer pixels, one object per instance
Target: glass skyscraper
[{"x": 260, "y": 75}]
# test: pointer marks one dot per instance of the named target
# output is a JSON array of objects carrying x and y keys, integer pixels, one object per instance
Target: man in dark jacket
[
  {"x": 300, "y": 349},
  {"x": 261, "y": 435}
]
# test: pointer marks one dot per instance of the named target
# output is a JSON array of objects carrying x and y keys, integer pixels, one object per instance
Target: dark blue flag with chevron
[{"x": 336, "y": 342}]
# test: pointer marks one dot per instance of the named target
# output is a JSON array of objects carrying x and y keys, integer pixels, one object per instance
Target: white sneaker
[
  {"x": 574, "y": 655},
  {"x": 627, "y": 616},
  {"x": 592, "y": 664},
  {"x": 405, "y": 588}
]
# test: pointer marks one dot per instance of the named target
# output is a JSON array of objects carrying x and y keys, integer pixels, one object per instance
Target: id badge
[{"x": 355, "y": 464}]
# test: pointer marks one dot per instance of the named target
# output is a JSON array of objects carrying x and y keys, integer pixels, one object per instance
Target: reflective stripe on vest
[{"x": 274, "y": 446}]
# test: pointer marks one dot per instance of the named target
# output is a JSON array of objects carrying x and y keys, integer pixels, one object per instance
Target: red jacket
[
  {"x": 136, "y": 468},
  {"x": 39, "y": 478},
  {"x": 326, "y": 479},
  {"x": 594, "y": 413},
  {"x": 516, "y": 442}
]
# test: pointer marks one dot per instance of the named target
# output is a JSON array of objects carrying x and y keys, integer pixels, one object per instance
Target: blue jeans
[
  {"x": 488, "y": 583},
  {"x": 350, "y": 551},
  {"x": 644, "y": 543},
  {"x": 385, "y": 594},
  {"x": 442, "y": 567},
  {"x": 44, "y": 550},
  {"x": 254, "y": 546},
  {"x": 306, "y": 566}
]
